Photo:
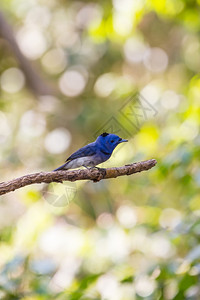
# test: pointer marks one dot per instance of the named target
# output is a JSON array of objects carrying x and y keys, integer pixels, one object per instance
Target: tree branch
[{"x": 73, "y": 175}]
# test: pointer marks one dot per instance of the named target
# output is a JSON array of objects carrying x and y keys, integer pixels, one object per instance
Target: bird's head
[{"x": 109, "y": 141}]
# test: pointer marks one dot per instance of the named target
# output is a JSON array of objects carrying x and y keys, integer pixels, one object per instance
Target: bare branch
[{"x": 73, "y": 175}]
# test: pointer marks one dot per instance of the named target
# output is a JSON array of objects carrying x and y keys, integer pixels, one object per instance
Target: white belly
[{"x": 79, "y": 162}]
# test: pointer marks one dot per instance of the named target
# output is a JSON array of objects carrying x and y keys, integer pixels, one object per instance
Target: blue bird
[{"x": 94, "y": 153}]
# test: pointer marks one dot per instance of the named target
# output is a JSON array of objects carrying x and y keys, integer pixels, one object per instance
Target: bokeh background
[{"x": 70, "y": 70}]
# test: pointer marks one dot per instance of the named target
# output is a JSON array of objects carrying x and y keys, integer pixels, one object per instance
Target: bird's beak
[{"x": 123, "y": 140}]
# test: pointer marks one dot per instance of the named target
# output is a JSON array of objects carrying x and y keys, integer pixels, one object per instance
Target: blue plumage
[{"x": 94, "y": 153}]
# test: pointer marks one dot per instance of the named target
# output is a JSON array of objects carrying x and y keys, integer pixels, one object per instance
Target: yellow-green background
[{"x": 128, "y": 238}]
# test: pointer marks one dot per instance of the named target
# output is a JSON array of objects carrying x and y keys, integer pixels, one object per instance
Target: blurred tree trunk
[{"x": 34, "y": 81}]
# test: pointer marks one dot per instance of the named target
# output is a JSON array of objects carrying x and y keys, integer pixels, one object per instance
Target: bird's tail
[{"x": 63, "y": 167}]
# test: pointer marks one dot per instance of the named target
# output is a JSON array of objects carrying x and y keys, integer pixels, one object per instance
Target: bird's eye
[{"x": 112, "y": 141}]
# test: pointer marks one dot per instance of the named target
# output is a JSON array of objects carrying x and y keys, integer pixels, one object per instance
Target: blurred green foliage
[{"x": 130, "y": 67}]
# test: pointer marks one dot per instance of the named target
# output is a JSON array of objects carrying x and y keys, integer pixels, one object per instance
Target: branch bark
[{"x": 73, "y": 175}]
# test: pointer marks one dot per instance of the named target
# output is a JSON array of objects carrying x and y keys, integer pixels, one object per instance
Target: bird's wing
[{"x": 87, "y": 150}]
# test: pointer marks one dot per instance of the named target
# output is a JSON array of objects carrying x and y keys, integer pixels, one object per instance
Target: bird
[{"x": 94, "y": 153}]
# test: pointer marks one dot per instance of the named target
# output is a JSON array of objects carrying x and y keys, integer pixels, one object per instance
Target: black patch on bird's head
[{"x": 104, "y": 134}]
